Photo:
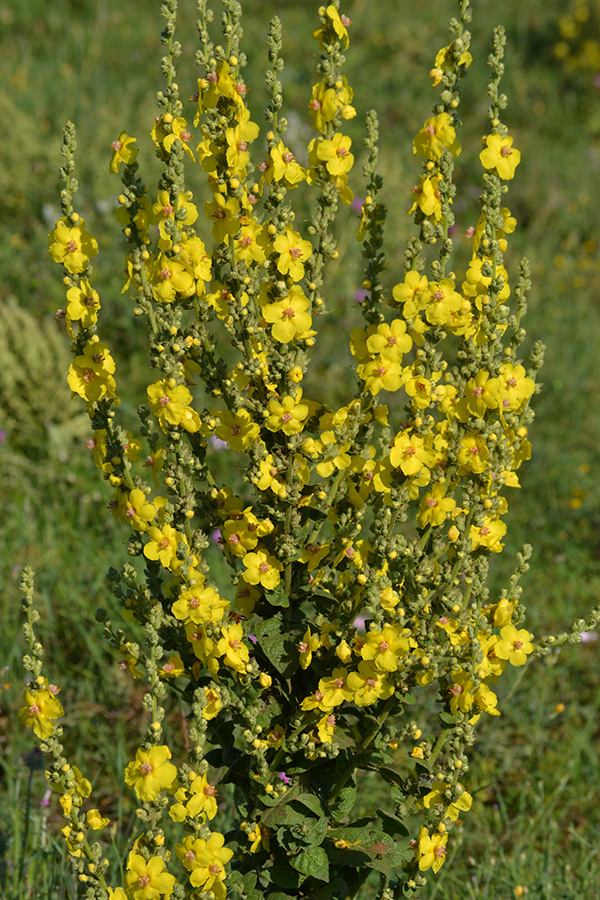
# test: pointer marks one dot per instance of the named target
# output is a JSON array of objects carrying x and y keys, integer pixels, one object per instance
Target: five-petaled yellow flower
[{"x": 151, "y": 772}]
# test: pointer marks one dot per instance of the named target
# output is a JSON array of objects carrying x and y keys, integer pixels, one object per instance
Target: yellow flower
[
  {"x": 224, "y": 214},
  {"x": 326, "y": 102},
  {"x": 41, "y": 707},
  {"x": 428, "y": 197},
  {"x": 515, "y": 387},
  {"x": 200, "y": 604},
  {"x": 72, "y": 245},
  {"x": 337, "y": 23},
  {"x": 171, "y": 277},
  {"x": 252, "y": 243},
  {"x": 213, "y": 704},
  {"x": 205, "y": 861},
  {"x": 499, "y": 155},
  {"x": 123, "y": 152},
  {"x": 232, "y": 648},
  {"x": 262, "y": 568},
  {"x": 441, "y": 300},
  {"x": 238, "y": 139},
  {"x": 410, "y": 453},
  {"x": 284, "y": 166},
  {"x": 83, "y": 304},
  {"x": 287, "y": 415},
  {"x": 91, "y": 373},
  {"x": 368, "y": 685},
  {"x": 306, "y": 646},
  {"x": 438, "y": 134},
  {"x": 385, "y": 648},
  {"x": 444, "y": 60},
  {"x": 151, "y": 772},
  {"x": 326, "y": 727},
  {"x": 163, "y": 545},
  {"x": 381, "y": 375},
  {"x": 95, "y": 820},
  {"x": 431, "y": 850},
  {"x": 293, "y": 252},
  {"x": 473, "y": 455},
  {"x": 435, "y": 506},
  {"x": 336, "y": 154},
  {"x": 389, "y": 341},
  {"x": 289, "y": 317},
  {"x": 259, "y": 837},
  {"x": 488, "y": 535},
  {"x": 147, "y": 879},
  {"x": 410, "y": 293},
  {"x": 269, "y": 478},
  {"x": 239, "y": 430},
  {"x": 169, "y": 403},
  {"x": 134, "y": 510},
  {"x": 200, "y": 800},
  {"x": 172, "y": 668},
  {"x": 514, "y": 645},
  {"x": 179, "y": 132}
]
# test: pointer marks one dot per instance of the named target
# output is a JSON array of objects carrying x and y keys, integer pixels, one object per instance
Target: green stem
[
  {"x": 25, "y": 830},
  {"x": 438, "y": 746}
]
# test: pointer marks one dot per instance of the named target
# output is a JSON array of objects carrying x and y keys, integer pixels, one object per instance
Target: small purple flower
[
  {"x": 361, "y": 295},
  {"x": 45, "y": 801},
  {"x": 588, "y": 637},
  {"x": 3, "y": 435},
  {"x": 217, "y": 443},
  {"x": 285, "y": 778},
  {"x": 357, "y": 205},
  {"x": 215, "y": 536},
  {"x": 253, "y": 638}
]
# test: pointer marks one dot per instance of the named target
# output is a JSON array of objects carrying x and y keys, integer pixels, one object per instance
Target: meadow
[{"x": 535, "y": 823}]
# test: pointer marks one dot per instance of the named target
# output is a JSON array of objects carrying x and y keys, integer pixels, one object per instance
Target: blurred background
[{"x": 535, "y": 822}]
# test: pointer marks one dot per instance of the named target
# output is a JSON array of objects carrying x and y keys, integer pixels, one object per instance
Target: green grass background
[{"x": 535, "y": 823}]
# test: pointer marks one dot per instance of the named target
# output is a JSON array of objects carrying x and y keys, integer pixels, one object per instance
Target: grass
[{"x": 534, "y": 823}]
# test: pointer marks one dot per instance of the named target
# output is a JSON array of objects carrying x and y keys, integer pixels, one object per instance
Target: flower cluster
[{"x": 357, "y": 537}]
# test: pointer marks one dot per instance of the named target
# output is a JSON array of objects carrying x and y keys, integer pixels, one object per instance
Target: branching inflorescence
[{"x": 359, "y": 537}]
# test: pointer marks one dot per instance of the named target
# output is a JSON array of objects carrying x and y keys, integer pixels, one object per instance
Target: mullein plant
[{"x": 359, "y": 539}]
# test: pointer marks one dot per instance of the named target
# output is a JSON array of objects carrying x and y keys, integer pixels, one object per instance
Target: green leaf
[
  {"x": 269, "y": 711},
  {"x": 347, "y": 856},
  {"x": 277, "y": 598},
  {"x": 337, "y": 889},
  {"x": 390, "y": 857},
  {"x": 249, "y": 881},
  {"x": 344, "y": 802},
  {"x": 391, "y": 823},
  {"x": 311, "y": 831},
  {"x": 277, "y": 647},
  {"x": 393, "y": 773},
  {"x": 398, "y": 796},
  {"x": 312, "y": 802},
  {"x": 282, "y": 815},
  {"x": 284, "y": 876},
  {"x": 448, "y": 718},
  {"x": 313, "y": 862},
  {"x": 378, "y": 850},
  {"x": 315, "y": 513},
  {"x": 354, "y": 836}
]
